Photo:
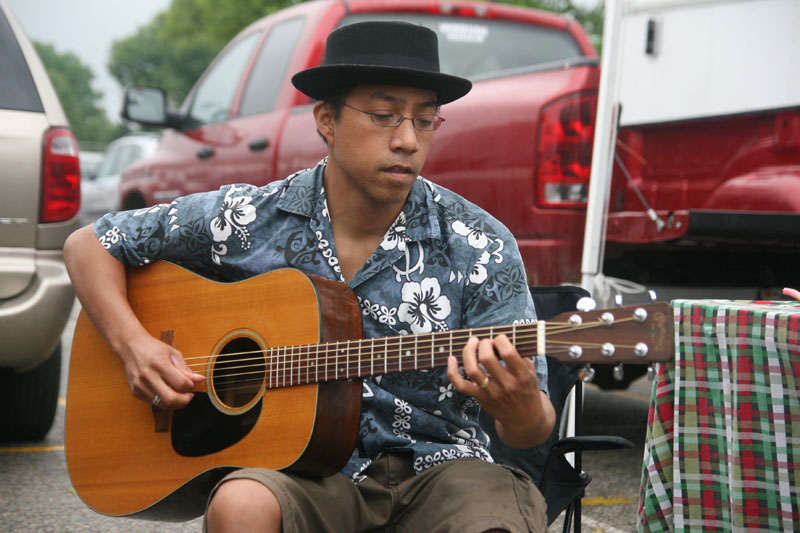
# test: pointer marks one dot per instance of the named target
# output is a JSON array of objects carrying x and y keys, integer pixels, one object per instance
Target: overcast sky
[{"x": 87, "y": 28}]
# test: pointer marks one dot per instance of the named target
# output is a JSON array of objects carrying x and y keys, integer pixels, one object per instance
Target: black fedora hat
[{"x": 384, "y": 53}]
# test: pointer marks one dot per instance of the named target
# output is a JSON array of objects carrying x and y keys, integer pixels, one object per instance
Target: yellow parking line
[
  {"x": 30, "y": 449},
  {"x": 604, "y": 501}
]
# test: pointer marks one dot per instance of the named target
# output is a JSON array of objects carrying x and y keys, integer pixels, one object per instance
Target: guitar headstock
[{"x": 630, "y": 334}]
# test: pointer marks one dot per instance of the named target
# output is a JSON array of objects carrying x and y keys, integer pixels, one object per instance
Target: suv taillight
[
  {"x": 61, "y": 176},
  {"x": 565, "y": 151}
]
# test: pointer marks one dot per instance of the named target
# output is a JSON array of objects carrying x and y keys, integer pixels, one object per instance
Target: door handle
[
  {"x": 205, "y": 152},
  {"x": 257, "y": 145}
]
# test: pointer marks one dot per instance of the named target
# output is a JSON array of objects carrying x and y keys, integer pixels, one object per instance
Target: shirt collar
[{"x": 304, "y": 195}]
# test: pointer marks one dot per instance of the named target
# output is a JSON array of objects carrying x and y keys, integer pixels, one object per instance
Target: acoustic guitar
[{"x": 282, "y": 353}]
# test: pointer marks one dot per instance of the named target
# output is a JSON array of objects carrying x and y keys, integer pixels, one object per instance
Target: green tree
[
  {"x": 178, "y": 44},
  {"x": 72, "y": 80}
]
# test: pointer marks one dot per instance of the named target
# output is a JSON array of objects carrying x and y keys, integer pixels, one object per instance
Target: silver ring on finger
[
  {"x": 156, "y": 400},
  {"x": 485, "y": 382}
]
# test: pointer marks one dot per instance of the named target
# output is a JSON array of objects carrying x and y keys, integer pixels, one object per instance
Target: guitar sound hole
[{"x": 238, "y": 374}]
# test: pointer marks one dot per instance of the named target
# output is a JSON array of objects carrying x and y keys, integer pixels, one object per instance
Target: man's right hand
[{"x": 155, "y": 369}]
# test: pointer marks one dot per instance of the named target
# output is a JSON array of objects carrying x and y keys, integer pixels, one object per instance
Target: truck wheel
[{"x": 28, "y": 400}]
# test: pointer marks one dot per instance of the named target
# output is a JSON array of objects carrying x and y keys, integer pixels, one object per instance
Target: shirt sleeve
[{"x": 181, "y": 232}]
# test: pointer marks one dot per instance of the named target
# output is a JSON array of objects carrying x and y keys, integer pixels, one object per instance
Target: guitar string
[
  {"x": 299, "y": 372},
  {"x": 461, "y": 336},
  {"x": 295, "y": 363},
  {"x": 251, "y": 383},
  {"x": 292, "y": 363}
]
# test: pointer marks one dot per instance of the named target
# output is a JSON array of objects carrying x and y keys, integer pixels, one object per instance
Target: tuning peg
[
  {"x": 651, "y": 372},
  {"x": 651, "y": 295},
  {"x": 619, "y": 373},
  {"x": 618, "y": 300},
  {"x": 586, "y": 304},
  {"x": 587, "y": 373}
]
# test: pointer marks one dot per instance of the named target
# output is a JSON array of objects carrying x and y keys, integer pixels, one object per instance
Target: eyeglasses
[{"x": 390, "y": 119}]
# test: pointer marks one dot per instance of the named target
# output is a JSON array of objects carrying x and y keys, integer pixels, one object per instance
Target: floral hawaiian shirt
[{"x": 444, "y": 264}]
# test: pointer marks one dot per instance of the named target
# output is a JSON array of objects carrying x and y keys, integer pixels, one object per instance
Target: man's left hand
[{"x": 507, "y": 390}]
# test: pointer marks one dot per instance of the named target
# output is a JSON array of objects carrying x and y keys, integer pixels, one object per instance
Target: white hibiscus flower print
[
  {"x": 424, "y": 306},
  {"x": 479, "y": 273},
  {"x": 475, "y": 237},
  {"x": 396, "y": 236},
  {"x": 236, "y": 214}
]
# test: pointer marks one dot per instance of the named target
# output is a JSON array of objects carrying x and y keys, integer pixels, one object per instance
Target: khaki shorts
[{"x": 463, "y": 495}]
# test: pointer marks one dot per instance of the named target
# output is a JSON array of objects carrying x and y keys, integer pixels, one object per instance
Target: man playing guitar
[{"x": 419, "y": 258}]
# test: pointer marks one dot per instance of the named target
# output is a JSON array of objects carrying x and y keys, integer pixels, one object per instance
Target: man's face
[{"x": 379, "y": 164}]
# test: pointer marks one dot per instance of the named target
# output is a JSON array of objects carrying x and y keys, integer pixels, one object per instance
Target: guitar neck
[{"x": 610, "y": 336}]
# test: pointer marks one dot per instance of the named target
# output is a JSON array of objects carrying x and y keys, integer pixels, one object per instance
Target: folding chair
[{"x": 562, "y": 484}]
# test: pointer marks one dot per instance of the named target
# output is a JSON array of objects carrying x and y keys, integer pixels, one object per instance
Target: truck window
[
  {"x": 483, "y": 47},
  {"x": 17, "y": 89},
  {"x": 213, "y": 97},
  {"x": 267, "y": 75}
]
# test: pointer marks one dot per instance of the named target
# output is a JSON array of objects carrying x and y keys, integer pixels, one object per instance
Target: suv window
[
  {"x": 478, "y": 47},
  {"x": 214, "y": 95},
  {"x": 266, "y": 79},
  {"x": 17, "y": 89}
]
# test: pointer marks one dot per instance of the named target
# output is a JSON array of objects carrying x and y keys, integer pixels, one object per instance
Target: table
[{"x": 722, "y": 451}]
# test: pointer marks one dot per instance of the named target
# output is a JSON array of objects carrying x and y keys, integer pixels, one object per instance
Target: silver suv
[{"x": 39, "y": 200}]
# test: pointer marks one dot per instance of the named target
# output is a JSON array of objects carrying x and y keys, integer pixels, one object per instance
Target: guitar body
[{"x": 126, "y": 458}]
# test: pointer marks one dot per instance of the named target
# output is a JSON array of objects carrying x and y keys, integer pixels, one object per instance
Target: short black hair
[{"x": 336, "y": 102}]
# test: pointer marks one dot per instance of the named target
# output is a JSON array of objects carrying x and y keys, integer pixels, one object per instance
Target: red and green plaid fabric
[{"x": 723, "y": 438}]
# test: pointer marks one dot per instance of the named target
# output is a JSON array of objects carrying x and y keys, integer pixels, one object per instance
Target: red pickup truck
[{"x": 519, "y": 144}]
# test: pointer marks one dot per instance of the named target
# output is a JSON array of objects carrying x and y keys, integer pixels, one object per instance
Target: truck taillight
[
  {"x": 565, "y": 151},
  {"x": 61, "y": 176}
]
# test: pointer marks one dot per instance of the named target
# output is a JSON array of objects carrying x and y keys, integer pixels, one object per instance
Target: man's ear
[{"x": 323, "y": 114}]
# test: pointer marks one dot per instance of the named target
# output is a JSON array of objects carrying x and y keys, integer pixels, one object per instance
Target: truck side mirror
[{"x": 146, "y": 105}]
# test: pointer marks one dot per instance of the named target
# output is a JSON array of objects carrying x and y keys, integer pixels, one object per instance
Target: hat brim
[{"x": 320, "y": 82}]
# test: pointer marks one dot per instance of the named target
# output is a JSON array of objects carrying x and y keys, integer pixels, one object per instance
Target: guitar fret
[
  {"x": 358, "y": 359},
  {"x": 415, "y": 351},
  {"x": 433, "y": 349},
  {"x": 316, "y": 364},
  {"x": 342, "y": 351},
  {"x": 386, "y": 355},
  {"x": 300, "y": 366},
  {"x": 451, "y": 343},
  {"x": 372, "y": 359},
  {"x": 400, "y": 354},
  {"x": 271, "y": 369}
]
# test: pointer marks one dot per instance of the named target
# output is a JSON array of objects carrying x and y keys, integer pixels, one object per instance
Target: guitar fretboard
[{"x": 300, "y": 365}]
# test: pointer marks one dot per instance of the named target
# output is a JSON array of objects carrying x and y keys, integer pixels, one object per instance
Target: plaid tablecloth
[{"x": 723, "y": 438}]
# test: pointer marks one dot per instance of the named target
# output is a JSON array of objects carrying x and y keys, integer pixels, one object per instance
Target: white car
[{"x": 100, "y": 192}]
